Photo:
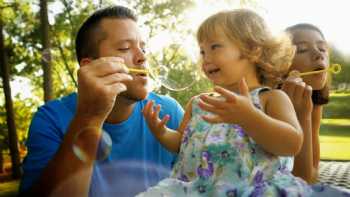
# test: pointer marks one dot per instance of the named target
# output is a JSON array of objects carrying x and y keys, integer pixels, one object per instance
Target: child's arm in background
[
  {"x": 306, "y": 161},
  {"x": 169, "y": 138},
  {"x": 277, "y": 131}
]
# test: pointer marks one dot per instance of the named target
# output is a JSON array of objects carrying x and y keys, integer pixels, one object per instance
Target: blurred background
[{"x": 37, "y": 59}]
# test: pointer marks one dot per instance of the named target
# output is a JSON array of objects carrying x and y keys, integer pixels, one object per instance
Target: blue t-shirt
[{"x": 137, "y": 160}]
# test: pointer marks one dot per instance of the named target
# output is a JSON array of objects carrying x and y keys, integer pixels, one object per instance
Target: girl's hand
[
  {"x": 300, "y": 95},
  {"x": 233, "y": 108},
  {"x": 151, "y": 115}
]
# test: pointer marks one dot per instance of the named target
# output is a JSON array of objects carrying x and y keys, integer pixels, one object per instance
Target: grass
[
  {"x": 335, "y": 128},
  {"x": 9, "y": 189}
]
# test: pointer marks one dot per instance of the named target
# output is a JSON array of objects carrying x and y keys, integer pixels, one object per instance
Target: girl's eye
[
  {"x": 301, "y": 50},
  {"x": 215, "y": 46},
  {"x": 201, "y": 52}
]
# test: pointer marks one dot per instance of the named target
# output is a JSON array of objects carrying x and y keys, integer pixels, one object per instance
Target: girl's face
[
  {"x": 222, "y": 62},
  {"x": 311, "y": 55}
]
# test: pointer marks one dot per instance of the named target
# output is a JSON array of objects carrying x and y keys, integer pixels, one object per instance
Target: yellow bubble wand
[
  {"x": 334, "y": 68},
  {"x": 138, "y": 71}
]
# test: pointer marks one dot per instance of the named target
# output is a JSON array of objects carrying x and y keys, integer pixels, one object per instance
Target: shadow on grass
[{"x": 335, "y": 130}]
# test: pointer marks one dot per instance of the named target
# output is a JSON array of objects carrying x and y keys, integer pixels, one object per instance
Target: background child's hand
[
  {"x": 151, "y": 115},
  {"x": 300, "y": 95},
  {"x": 232, "y": 109}
]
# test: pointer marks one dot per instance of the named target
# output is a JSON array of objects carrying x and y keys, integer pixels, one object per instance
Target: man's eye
[{"x": 123, "y": 49}]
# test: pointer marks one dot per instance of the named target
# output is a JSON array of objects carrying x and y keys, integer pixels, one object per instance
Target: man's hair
[{"x": 90, "y": 34}]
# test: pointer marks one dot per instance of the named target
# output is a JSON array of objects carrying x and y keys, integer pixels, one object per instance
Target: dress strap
[{"x": 255, "y": 95}]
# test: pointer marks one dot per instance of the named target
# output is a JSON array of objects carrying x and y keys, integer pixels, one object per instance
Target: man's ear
[{"x": 85, "y": 61}]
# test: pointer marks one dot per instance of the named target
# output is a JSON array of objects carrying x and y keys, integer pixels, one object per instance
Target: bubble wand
[{"x": 334, "y": 68}]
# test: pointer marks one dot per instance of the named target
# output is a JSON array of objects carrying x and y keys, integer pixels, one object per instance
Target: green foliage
[{"x": 344, "y": 76}]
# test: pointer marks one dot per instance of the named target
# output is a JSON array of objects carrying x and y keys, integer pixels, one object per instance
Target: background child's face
[
  {"x": 222, "y": 62},
  {"x": 311, "y": 54}
]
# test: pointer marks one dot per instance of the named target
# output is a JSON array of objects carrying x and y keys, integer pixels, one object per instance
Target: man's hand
[{"x": 99, "y": 83}]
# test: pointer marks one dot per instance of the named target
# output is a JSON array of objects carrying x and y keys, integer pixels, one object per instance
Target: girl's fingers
[
  {"x": 307, "y": 92},
  {"x": 209, "y": 108},
  {"x": 212, "y": 119},
  {"x": 147, "y": 108},
  {"x": 214, "y": 101},
  {"x": 243, "y": 88},
  {"x": 228, "y": 95},
  {"x": 299, "y": 90},
  {"x": 164, "y": 121},
  {"x": 155, "y": 113}
]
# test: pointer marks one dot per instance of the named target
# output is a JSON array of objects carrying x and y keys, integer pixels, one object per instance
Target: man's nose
[{"x": 140, "y": 56}]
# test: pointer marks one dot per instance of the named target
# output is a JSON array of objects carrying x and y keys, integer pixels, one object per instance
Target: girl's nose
[{"x": 317, "y": 54}]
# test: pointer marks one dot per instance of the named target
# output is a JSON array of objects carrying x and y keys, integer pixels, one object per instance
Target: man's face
[{"x": 123, "y": 39}]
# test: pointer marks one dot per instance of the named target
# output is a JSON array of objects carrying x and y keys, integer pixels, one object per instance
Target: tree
[
  {"x": 13, "y": 142},
  {"x": 46, "y": 54}
]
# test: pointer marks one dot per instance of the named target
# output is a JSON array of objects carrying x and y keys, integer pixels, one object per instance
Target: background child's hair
[
  {"x": 249, "y": 32},
  {"x": 319, "y": 97}
]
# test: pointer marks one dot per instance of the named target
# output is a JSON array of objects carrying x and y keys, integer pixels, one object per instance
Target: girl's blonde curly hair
[{"x": 248, "y": 31}]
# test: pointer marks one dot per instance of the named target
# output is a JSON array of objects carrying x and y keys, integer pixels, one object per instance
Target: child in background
[
  {"x": 233, "y": 142},
  {"x": 308, "y": 94}
]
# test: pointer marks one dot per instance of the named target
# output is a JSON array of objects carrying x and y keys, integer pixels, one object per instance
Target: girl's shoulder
[{"x": 272, "y": 96}]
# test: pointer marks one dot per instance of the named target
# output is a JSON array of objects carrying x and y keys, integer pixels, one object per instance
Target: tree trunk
[
  {"x": 1, "y": 161},
  {"x": 13, "y": 142},
  {"x": 46, "y": 54}
]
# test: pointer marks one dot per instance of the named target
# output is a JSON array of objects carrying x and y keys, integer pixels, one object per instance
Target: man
[{"x": 110, "y": 98}]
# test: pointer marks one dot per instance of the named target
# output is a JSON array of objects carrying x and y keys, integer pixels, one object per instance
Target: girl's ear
[{"x": 256, "y": 54}]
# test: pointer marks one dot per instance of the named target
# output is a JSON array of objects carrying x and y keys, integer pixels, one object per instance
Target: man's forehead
[{"x": 122, "y": 30}]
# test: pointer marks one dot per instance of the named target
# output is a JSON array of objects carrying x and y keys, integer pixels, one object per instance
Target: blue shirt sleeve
[{"x": 44, "y": 139}]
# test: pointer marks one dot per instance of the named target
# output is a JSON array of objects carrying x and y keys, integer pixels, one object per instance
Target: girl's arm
[
  {"x": 307, "y": 161},
  {"x": 277, "y": 131},
  {"x": 169, "y": 138},
  {"x": 304, "y": 162}
]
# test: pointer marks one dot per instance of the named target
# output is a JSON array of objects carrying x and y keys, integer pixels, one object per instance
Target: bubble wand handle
[{"x": 334, "y": 68}]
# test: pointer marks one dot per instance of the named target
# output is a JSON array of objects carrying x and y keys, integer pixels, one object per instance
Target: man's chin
[{"x": 135, "y": 96}]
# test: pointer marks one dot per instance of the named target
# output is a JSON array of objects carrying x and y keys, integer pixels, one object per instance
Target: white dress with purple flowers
[{"x": 221, "y": 160}]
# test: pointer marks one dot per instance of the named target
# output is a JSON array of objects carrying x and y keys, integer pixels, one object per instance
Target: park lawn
[
  {"x": 9, "y": 189},
  {"x": 335, "y": 128},
  {"x": 335, "y": 139}
]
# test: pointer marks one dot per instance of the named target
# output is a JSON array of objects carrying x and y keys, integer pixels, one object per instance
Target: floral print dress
[{"x": 221, "y": 160}]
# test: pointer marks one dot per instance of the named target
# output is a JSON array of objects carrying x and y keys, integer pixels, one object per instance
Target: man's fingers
[
  {"x": 118, "y": 88},
  {"x": 115, "y": 78}
]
